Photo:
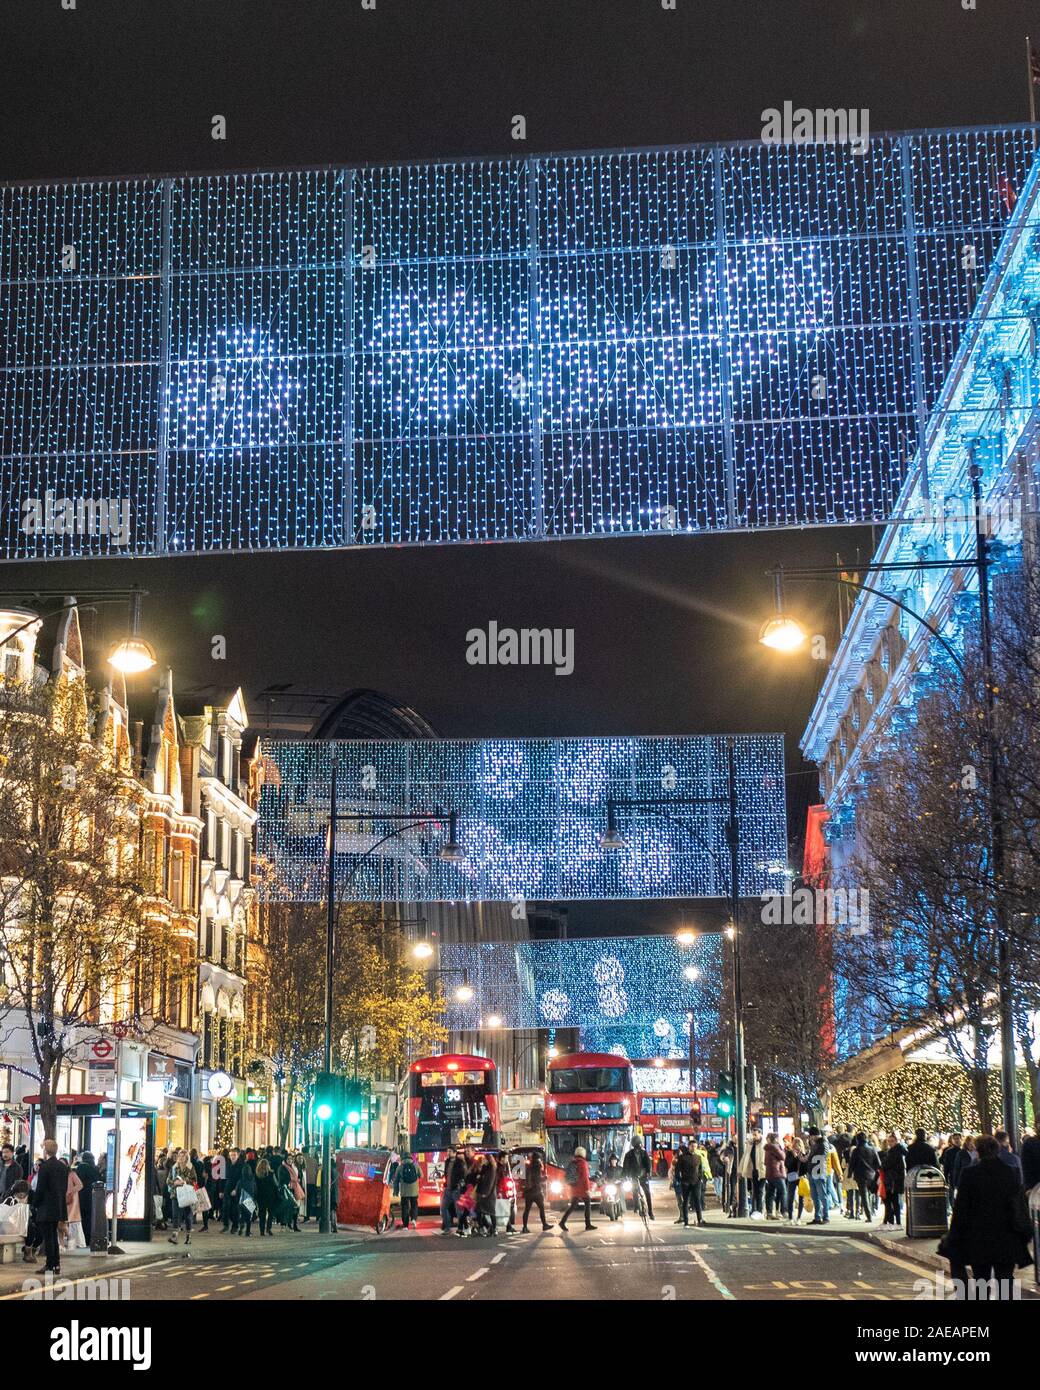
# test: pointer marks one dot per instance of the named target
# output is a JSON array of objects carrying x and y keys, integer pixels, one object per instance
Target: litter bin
[
  {"x": 925, "y": 1203},
  {"x": 1034, "y": 1215}
]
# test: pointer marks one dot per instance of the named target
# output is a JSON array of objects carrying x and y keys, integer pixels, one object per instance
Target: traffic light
[
  {"x": 726, "y": 1104},
  {"x": 353, "y": 1104},
  {"x": 328, "y": 1096},
  {"x": 695, "y": 1113}
]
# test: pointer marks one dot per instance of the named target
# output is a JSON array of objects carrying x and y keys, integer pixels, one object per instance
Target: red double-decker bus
[
  {"x": 452, "y": 1099},
  {"x": 589, "y": 1104},
  {"x": 666, "y": 1119}
]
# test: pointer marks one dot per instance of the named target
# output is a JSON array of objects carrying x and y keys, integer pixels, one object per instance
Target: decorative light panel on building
[
  {"x": 529, "y": 815},
  {"x": 628, "y": 994},
  {"x": 701, "y": 339}
]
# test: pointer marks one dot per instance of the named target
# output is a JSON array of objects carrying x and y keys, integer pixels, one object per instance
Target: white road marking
[
  {"x": 198, "y": 1295},
  {"x": 479, "y": 1274},
  {"x": 707, "y": 1270},
  {"x": 450, "y": 1294},
  {"x": 500, "y": 1256}
]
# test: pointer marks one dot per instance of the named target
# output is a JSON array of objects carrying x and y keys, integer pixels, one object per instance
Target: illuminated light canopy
[
  {"x": 528, "y": 815},
  {"x": 626, "y": 994},
  {"x": 681, "y": 340}
]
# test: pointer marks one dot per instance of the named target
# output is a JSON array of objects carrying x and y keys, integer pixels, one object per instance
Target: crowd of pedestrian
[{"x": 233, "y": 1187}]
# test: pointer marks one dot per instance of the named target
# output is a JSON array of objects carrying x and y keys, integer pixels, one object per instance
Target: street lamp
[
  {"x": 980, "y": 563},
  {"x": 422, "y": 950},
  {"x": 451, "y": 851},
  {"x": 692, "y": 974},
  {"x": 781, "y": 632},
  {"x": 686, "y": 936},
  {"x": 494, "y": 1021},
  {"x": 611, "y": 838},
  {"x": 131, "y": 655}
]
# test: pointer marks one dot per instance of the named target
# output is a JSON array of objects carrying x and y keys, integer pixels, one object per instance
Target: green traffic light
[
  {"x": 353, "y": 1118},
  {"x": 323, "y": 1112}
]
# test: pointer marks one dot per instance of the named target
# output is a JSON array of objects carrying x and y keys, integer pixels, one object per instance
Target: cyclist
[{"x": 636, "y": 1168}]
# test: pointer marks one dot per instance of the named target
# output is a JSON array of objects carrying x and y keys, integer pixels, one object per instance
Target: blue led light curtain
[
  {"x": 627, "y": 991},
  {"x": 529, "y": 814},
  {"x": 688, "y": 340}
]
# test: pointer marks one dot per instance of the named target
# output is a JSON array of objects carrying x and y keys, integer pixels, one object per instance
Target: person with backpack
[
  {"x": 580, "y": 1188},
  {"x": 406, "y": 1186}
]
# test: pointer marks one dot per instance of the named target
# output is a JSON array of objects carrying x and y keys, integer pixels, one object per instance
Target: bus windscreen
[{"x": 452, "y": 1108}]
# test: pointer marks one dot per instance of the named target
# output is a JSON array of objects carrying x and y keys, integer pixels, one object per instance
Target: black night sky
[{"x": 665, "y": 627}]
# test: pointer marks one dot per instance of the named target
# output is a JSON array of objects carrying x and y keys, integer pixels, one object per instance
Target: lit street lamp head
[
  {"x": 133, "y": 654},
  {"x": 422, "y": 950},
  {"x": 782, "y": 634},
  {"x": 464, "y": 994}
]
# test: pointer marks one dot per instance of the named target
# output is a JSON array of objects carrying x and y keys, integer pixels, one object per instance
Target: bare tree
[{"x": 74, "y": 932}]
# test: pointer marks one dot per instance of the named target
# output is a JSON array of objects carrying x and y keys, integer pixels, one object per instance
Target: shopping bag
[
  {"x": 247, "y": 1202},
  {"x": 186, "y": 1196},
  {"x": 14, "y": 1218},
  {"x": 204, "y": 1204},
  {"x": 157, "y": 1209}
]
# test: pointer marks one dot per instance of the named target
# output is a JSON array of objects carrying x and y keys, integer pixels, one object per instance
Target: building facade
[
  {"x": 216, "y": 786},
  {"x": 984, "y": 425}
]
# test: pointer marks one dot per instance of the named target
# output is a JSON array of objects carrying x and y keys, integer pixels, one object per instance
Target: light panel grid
[
  {"x": 630, "y": 988},
  {"x": 663, "y": 341},
  {"x": 529, "y": 816}
]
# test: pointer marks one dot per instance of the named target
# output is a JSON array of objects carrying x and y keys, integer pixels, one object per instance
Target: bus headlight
[{"x": 556, "y": 1188}]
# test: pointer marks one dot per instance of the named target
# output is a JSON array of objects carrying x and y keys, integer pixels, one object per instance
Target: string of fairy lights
[
  {"x": 529, "y": 816},
  {"x": 630, "y": 995},
  {"x": 619, "y": 343}
]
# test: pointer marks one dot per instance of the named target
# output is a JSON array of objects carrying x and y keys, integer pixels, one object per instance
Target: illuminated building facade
[{"x": 987, "y": 414}]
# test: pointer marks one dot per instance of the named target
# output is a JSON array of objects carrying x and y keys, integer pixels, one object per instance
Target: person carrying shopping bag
[{"x": 181, "y": 1182}]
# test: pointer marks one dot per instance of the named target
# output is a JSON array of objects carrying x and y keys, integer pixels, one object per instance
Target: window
[
  {"x": 11, "y": 663},
  {"x": 579, "y": 1079}
]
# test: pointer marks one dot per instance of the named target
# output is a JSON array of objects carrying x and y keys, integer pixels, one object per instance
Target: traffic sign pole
[{"x": 113, "y": 1247}]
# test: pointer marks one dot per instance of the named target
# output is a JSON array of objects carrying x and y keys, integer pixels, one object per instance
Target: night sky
[{"x": 664, "y": 627}]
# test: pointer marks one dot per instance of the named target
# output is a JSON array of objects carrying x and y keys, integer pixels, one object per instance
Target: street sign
[
  {"x": 103, "y": 1050},
  {"x": 101, "y": 1077}
]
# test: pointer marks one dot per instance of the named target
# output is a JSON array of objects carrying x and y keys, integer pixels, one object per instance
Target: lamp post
[
  {"x": 131, "y": 655},
  {"x": 613, "y": 839},
  {"x": 995, "y": 799},
  {"x": 451, "y": 852}
]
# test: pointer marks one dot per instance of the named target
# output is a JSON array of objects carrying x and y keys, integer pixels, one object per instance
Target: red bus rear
[
  {"x": 589, "y": 1104},
  {"x": 665, "y": 1117},
  {"x": 452, "y": 1099}
]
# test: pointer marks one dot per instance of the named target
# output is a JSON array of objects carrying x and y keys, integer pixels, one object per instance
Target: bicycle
[{"x": 639, "y": 1201}]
